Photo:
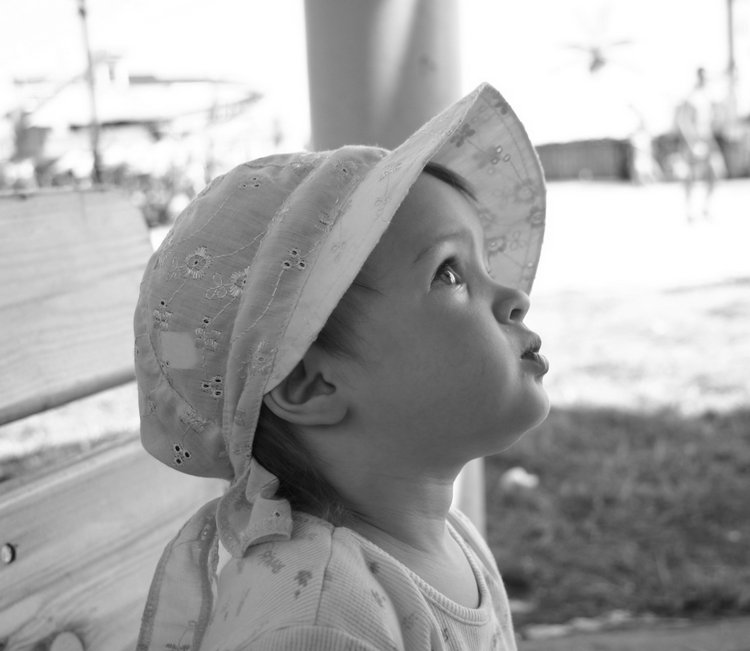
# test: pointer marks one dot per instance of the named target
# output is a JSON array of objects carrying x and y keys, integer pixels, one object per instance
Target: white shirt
[{"x": 330, "y": 589}]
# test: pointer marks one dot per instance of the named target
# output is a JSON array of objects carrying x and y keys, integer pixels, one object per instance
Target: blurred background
[
  {"x": 185, "y": 89},
  {"x": 630, "y": 502}
]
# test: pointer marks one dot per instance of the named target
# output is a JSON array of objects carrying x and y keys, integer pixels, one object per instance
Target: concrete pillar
[
  {"x": 469, "y": 494},
  {"x": 378, "y": 69}
]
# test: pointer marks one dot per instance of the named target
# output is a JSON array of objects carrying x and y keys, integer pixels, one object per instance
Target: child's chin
[
  {"x": 530, "y": 427},
  {"x": 545, "y": 411},
  {"x": 535, "y": 413}
]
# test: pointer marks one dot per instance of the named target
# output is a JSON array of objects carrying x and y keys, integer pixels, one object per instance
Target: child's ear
[{"x": 308, "y": 395}]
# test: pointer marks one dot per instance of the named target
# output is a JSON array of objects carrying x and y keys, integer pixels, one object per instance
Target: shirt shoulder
[
  {"x": 470, "y": 535},
  {"x": 319, "y": 583}
]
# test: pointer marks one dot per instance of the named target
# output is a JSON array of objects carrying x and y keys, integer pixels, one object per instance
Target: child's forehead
[
  {"x": 433, "y": 208},
  {"x": 431, "y": 213}
]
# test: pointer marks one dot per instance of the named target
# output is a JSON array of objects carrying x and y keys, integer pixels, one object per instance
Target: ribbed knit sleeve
[{"x": 310, "y": 638}]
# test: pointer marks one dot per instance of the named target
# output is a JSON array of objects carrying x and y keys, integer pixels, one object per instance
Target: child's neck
[
  {"x": 414, "y": 531},
  {"x": 392, "y": 498},
  {"x": 408, "y": 514}
]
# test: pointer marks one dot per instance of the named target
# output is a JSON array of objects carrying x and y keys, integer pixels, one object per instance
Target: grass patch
[
  {"x": 644, "y": 513},
  {"x": 643, "y": 464}
]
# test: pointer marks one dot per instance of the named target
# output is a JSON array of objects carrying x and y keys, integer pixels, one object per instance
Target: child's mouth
[{"x": 532, "y": 354}]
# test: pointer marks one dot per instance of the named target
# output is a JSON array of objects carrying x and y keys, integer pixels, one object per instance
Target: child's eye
[{"x": 447, "y": 274}]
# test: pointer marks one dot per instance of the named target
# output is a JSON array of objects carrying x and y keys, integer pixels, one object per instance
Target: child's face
[{"x": 442, "y": 377}]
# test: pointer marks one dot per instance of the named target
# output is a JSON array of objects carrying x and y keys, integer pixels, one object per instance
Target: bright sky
[{"x": 521, "y": 46}]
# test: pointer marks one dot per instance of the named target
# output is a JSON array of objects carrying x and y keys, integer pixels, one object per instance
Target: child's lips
[
  {"x": 538, "y": 360},
  {"x": 531, "y": 354}
]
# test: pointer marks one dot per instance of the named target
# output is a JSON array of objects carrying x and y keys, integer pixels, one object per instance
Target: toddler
[{"x": 337, "y": 334}]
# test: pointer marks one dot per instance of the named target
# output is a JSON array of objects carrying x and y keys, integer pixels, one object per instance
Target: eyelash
[{"x": 449, "y": 266}]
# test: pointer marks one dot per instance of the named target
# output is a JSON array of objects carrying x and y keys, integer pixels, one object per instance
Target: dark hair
[
  {"x": 277, "y": 445},
  {"x": 456, "y": 181},
  {"x": 277, "y": 448}
]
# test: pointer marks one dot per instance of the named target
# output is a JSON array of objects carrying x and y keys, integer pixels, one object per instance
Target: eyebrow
[{"x": 453, "y": 236}]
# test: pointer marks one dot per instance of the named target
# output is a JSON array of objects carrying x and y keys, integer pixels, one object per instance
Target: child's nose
[{"x": 511, "y": 305}]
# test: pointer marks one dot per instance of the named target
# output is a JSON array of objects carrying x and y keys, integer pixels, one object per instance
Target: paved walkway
[
  {"x": 723, "y": 635},
  {"x": 619, "y": 237}
]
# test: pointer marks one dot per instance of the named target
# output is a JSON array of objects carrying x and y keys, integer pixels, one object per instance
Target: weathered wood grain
[
  {"x": 87, "y": 539},
  {"x": 70, "y": 267}
]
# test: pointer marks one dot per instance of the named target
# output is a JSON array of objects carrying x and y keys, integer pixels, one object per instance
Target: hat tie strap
[{"x": 180, "y": 599}]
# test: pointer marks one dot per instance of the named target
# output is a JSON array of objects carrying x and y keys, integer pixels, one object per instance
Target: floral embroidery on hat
[
  {"x": 525, "y": 191},
  {"x": 497, "y": 244},
  {"x": 181, "y": 454},
  {"x": 169, "y": 239},
  {"x": 337, "y": 249},
  {"x": 218, "y": 290},
  {"x": 491, "y": 156},
  {"x": 161, "y": 316},
  {"x": 149, "y": 407},
  {"x": 240, "y": 418},
  {"x": 325, "y": 222},
  {"x": 463, "y": 134},
  {"x": 516, "y": 241},
  {"x": 262, "y": 358},
  {"x": 390, "y": 169},
  {"x": 191, "y": 419},
  {"x": 174, "y": 269},
  {"x": 206, "y": 338},
  {"x": 294, "y": 261},
  {"x": 197, "y": 263},
  {"x": 237, "y": 282},
  {"x": 234, "y": 288},
  {"x": 379, "y": 206},
  {"x": 501, "y": 104},
  {"x": 214, "y": 387},
  {"x": 485, "y": 216},
  {"x": 536, "y": 218}
]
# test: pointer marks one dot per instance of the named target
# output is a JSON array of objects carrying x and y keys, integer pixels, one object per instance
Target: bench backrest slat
[
  {"x": 70, "y": 265},
  {"x": 87, "y": 538}
]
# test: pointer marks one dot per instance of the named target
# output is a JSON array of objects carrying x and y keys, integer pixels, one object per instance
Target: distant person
[
  {"x": 695, "y": 120},
  {"x": 337, "y": 334},
  {"x": 643, "y": 166}
]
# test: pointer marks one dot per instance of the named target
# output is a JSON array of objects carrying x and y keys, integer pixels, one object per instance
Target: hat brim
[{"x": 480, "y": 139}]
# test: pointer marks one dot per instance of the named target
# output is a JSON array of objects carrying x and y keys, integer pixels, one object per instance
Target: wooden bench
[{"x": 79, "y": 541}]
